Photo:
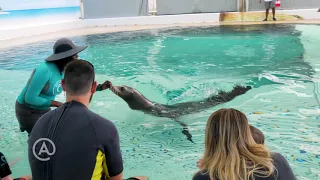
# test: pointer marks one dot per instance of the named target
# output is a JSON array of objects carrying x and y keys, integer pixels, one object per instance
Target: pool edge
[{"x": 18, "y": 36}]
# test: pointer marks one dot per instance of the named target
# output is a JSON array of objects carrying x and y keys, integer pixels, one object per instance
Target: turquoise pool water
[{"x": 183, "y": 64}]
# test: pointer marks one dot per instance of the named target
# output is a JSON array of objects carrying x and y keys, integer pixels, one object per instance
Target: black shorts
[{"x": 27, "y": 116}]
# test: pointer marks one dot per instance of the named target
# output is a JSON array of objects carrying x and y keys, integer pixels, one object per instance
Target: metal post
[{"x": 81, "y": 9}]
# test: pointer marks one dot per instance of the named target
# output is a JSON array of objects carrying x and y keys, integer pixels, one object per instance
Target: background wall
[
  {"x": 194, "y": 6},
  {"x": 166, "y": 7},
  {"x": 255, "y": 5},
  {"x": 114, "y": 8}
]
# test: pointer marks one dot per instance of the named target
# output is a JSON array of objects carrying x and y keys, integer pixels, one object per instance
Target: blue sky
[{"x": 36, "y": 4}]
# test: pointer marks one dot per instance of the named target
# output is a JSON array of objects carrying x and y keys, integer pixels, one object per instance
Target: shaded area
[
  {"x": 96, "y": 9},
  {"x": 286, "y": 4},
  {"x": 169, "y": 7}
]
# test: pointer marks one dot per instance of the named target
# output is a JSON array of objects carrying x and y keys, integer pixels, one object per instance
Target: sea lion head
[{"x": 133, "y": 97}]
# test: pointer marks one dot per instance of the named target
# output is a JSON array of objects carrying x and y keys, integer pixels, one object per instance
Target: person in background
[
  {"x": 270, "y": 4},
  {"x": 5, "y": 172},
  {"x": 38, "y": 95},
  {"x": 257, "y": 135},
  {"x": 86, "y": 144},
  {"x": 231, "y": 153}
]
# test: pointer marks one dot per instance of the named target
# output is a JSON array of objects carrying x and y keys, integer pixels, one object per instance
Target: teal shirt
[{"x": 43, "y": 86}]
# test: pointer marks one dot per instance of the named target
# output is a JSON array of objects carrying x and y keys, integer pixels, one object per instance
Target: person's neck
[{"x": 81, "y": 99}]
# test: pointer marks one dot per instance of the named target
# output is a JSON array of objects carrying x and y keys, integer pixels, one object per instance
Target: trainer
[
  {"x": 86, "y": 144},
  {"x": 44, "y": 85}
]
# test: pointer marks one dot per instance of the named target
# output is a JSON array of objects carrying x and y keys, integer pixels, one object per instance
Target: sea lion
[{"x": 137, "y": 101}]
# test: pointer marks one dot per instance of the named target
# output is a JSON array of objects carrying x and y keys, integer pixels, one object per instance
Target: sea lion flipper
[{"x": 185, "y": 130}]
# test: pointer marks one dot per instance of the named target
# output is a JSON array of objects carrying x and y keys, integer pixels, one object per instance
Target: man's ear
[
  {"x": 94, "y": 87},
  {"x": 63, "y": 85}
]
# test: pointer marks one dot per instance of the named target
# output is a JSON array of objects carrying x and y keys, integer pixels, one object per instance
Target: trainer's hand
[
  {"x": 105, "y": 85},
  {"x": 56, "y": 103},
  {"x": 28, "y": 177},
  {"x": 199, "y": 163}
]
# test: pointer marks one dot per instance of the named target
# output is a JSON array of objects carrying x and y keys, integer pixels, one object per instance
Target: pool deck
[{"x": 20, "y": 36}]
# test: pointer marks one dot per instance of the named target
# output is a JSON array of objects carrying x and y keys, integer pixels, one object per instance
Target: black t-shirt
[
  {"x": 86, "y": 145},
  {"x": 4, "y": 167},
  {"x": 283, "y": 171}
]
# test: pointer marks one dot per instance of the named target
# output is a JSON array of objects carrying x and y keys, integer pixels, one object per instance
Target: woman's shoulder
[
  {"x": 282, "y": 166},
  {"x": 45, "y": 67},
  {"x": 201, "y": 176},
  {"x": 277, "y": 157}
]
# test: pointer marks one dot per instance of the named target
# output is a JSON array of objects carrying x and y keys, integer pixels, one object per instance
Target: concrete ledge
[
  {"x": 126, "y": 21},
  {"x": 38, "y": 30},
  {"x": 5, "y": 34},
  {"x": 309, "y": 14}
]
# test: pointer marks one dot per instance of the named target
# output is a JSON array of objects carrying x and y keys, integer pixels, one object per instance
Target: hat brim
[{"x": 55, "y": 57}]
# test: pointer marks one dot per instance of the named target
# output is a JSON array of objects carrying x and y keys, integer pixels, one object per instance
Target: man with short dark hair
[{"x": 79, "y": 143}]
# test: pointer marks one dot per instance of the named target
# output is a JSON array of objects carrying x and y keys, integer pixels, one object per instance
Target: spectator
[
  {"x": 270, "y": 4},
  {"x": 86, "y": 144},
  {"x": 5, "y": 172},
  {"x": 232, "y": 154},
  {"x": 257, "y": 135}
]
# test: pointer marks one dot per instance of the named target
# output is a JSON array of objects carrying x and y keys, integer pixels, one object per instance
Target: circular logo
[
  {"x": 44, "y": 149},
  {"x": 3, "y": 161},
  {"x": 57, "y": 88}
]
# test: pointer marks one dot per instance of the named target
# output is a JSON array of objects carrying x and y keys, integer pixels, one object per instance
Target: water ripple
[{"x": 177, "y": 65}]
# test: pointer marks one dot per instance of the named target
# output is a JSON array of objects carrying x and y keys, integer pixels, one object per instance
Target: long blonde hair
[{"x": 230, "y": 150}]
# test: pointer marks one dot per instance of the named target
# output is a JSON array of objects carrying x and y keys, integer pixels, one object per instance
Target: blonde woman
[{"x": 232, "y": 154}]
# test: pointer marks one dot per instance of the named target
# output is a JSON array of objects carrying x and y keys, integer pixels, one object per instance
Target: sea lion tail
[{"x": 223, "y": 96}]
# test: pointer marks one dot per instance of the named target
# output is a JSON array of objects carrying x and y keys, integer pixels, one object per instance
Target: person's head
[
  {"x": 79, "y": 81},
  {"x": 230, "y": 150},
  {"x": 64, "y": 52},
  {"x": 257, "y": 135}
]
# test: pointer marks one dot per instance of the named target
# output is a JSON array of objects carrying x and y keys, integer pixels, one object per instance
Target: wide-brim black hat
[{"x": 63, "y": 48}]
